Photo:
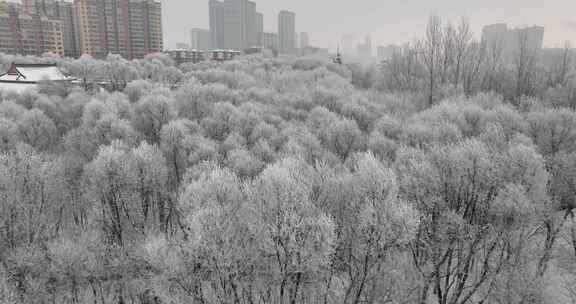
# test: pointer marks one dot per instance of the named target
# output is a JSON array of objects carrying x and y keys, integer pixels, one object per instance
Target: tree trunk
[{"x": 551, "y": 235}]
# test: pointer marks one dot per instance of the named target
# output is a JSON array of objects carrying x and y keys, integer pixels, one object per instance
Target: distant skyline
[{"x": 386, "y": 21}]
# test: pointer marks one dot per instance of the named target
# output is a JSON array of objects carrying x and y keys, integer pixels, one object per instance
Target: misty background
[{"x": 386, "y": 21}]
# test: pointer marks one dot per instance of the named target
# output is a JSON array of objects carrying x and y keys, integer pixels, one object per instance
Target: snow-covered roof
[{"x": 32, "y": 73}]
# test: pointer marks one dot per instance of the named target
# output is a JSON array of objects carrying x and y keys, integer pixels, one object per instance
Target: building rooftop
[{"x": 32, "y": 73}]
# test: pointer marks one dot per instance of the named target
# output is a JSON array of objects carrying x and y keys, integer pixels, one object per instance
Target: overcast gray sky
[{"x": 386, "y": 21}]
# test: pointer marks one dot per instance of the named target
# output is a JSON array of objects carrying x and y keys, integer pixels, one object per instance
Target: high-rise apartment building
[
  {"x": 147, "y": 38},
  {"x": 530, "y": 37},
  {"x": 233, "y": 24},
  {"x": 251, "y": 25},
  {"x": 495, "y": 35},
  {"x": 259, "y": 28},
  {"x": 287, "y": 32},
  {"x": 259, "y": 23},
  {"x": 304, "y": 40},
  {"x": 239, "y": 24},
  {"x": 64, "y": 12},
  {"x": 28, "y": 33},
  {"x": 200, "y": 39},
  {"x": 498, "y": 37},
  {"x": 236, "y": 25},
  {"x": 131, "y": 28},
  {"x": 91, "y": 27},
  {"x": 217, "y": 23}
]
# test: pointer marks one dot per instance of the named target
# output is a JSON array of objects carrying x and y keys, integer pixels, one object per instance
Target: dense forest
[{"x": 446, "y": 175}]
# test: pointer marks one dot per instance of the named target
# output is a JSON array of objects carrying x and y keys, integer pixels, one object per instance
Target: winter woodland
[{"x": 445, "y": 175}]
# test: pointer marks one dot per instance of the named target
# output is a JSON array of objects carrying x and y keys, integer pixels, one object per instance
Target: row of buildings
[
  {"x": 497, "y": 37},
  {"x": 237, "y": 25},
  {"x": 131, "y": 28},
  {"x": 181, "y": 56}
]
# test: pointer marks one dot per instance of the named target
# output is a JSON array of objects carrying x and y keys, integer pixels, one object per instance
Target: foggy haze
[{"x": 386, "y": 21}]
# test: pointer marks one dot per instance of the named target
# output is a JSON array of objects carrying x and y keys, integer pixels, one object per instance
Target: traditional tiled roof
[{"x": 32, "y": 73}]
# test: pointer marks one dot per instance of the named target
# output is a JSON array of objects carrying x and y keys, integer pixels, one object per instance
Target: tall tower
[
  {"x": 287, "y": 32},
  {"x": 259, "y": 23},
  {"x": 251, "y": 25},
  {"x": 239, "y": 24},
  {"x": 233, "y": 24},
  {"x": 259, "y": 29},
  {"x": 217, "y": 23}
]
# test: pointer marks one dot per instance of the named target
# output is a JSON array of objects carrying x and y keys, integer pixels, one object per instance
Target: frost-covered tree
[
  {"x": 9, "y": 135},
  {"x": 176, "y": 141},
  {"x": 378, "y": 223},
  {"x": 553, "y": 130},
  {"x": 31, "y": 197},
  {"x": 474, "y": 203},
  {"x": 218, "y": 218},
  {"x": 344, "y": 138},
  {"x": 295, "y": 239},
  {"x": 118, "y": 72},
  {"x": 151, "y": 114},
  {"x": 87, "y": 69},
  {"x": 195, "y": 101},
  {"x": 128, "y": 188},
  {"x": 37, "y": 130}
]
